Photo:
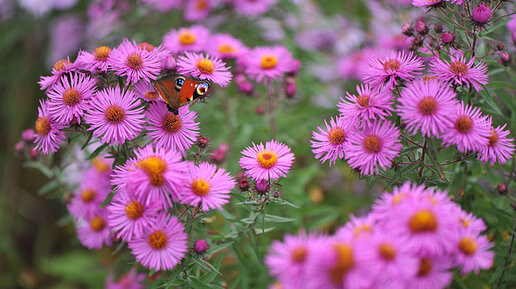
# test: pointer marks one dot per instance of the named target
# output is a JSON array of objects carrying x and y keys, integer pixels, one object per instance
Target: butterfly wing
[
  {"x": 166, "y": 88},
  {"x": 177, "y": 90}
]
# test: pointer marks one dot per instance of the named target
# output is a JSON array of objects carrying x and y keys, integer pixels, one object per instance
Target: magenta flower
[
  {"x": 468, "y": 221},
  {"x": 433, "y": 272},
  {"x": 130, "y": 216},
  {"x": 393, "y": 67},
  {"x": 153, "y": 174},
  {"x": 144, "y": 90},
  {"x": 162, "y": 246},
  {"x": 94, "y": 233},
  {"x": 472, "y": 253},
  {"x": 370, "y": 104},
  {"x": 61, "y": 67},
  {"x": 226, "y": 46},
  {"x": 267, "y": 162},
  {"x": 204, "y": 67},
  {"x": 134, "y": 62},
  {"x": 460, "y": 72},
  {"x": 373, "y": 147},
  {"x": 207, "y": 186},
  {"x": 253, "y": 7},
  {"x": 427, "y": 105},
  {"x": 499, "y": 148},
  {"x": 115, "y": 115},
  {"x": 70, "y": 98},
  {"x": 87, "y": 200},
  {"x": 268, "y": 63},
  {"x": 358, "y": 227},
  {"x": 329, "y": 144},
  {"x": 470, "y": 130},
  {"x": 96, "y": 61},
  {"x": 197, "y": 10},
  {"x": 481, "y": 14},
  {"x": 170, "y": 131},
  {"x": 49, "y": 134},
  {"x": 192, "y": 39}
]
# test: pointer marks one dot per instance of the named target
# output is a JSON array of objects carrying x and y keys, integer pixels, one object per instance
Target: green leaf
[
  {"x": 40, "y": 167},
  {"x": 278, "y": 219},
  {"x": 96, "y": 152},
  {"x": 87, "y": 142},
  {"x": 219, "y": 247},
  {"x": 206, "y": 265}
]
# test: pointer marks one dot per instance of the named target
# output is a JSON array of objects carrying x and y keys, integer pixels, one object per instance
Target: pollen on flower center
[
  {"x": 172, "y": 123},
  {"x": 299, "y": 254},
  {"x": 61, "y": 64},
  {"x": 101, "y": 53},
  {"x": 387, "y": 251},
  {"x": 43, "y": 126},
  {"x": 267, "y": 159},
  {"x": 363, "y": 101},
  {"x": 114, "y": 113},
  {"x": 458, "y": 67},
  {"x": 201, "y": 5},
  {"x": 147, "y": 46},
  {"x": 464, "y": 124},
  {"x": 468, "y": 246},
  {"x": 345, "y": 262},
  {"x": 158, "y": 240},
  {"x": 134, "y": 210},
  {"x": 425, "y": 267},
  {"x": 269, "y": 61},
  {"x": 97, "y": 223},
  {"x": 205, "y": 66},
  {"x": 427, "y": 105},
  {"x": 372, "y": 143},
  {"x": 150, "y": 95},
  {"x": 493, "y": 138},
  {"x": 88, "y": 195},
  {"x": 134, "y": 61},
  {"x": 71, "y": 96},
  {"x": 227, "y": 48},
  {"x": 337, "y": 136},
  {"x": 391, "y": 64},
  {"x": 423, "y": 221},
  {"x": 201, "y": 187},
  {"x": 154, "y": 166},
  {"x": 186, "y": 37}
]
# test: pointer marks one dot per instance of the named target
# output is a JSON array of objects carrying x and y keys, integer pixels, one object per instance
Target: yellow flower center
[
  {"x": 387, "y": 251},
  {"x": 227, "y": 48},
  {"x": 427, "y": 105},
  {"x": 43, "y": 126},
  {"x": 61, "y": 64},
  {"x": 101, "y": 53},
  {"x": 468, "y": 246},
  {"x": 345, "y": 262},
  {"x": 337, "y": 136},
  {"x": 88, "y": 195},
  {"x": 97, "y": 223},
  {"x": 186, "y": 37},
  {"x": 372, "y": 143},
  {"x": 205, "y": 66},
  {"x": 154, "y": 167},
  {"x": 134, "y": 61},
  {"x": 267, "y": 159},
  {"x": 114, "y": 113},
  {"x": 100, "y": 165},
  {"x": 172, "y": 123},
  {"x": 423, "y": 221},
  {"x": 269, "y": 61},
  {"x": 201, "y": 187},
  {"x": 71, "y": 96},
  {"x": 425, "y": 267},
  {"x": 158, "y": 240},
  {"x": 299, "y": 254},
  {"x": 391, "y": 64},
  {"x": 134, "y": 210},
  {"x": 464, "y": 124},
  {"x": 458, "y": 67}
]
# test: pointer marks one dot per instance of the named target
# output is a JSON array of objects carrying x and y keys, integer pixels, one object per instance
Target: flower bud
[
  {"x": 240, "y": 78},
  {"x": 276, "y": 194},
  {"x": 243, "y": 184},
  {"x": 421, "y": 27},
  {"x": 246, "y": 87},
  {"x": 202, "y": 141},
  {"x": 407, "y": 29},
  {"x": 19, "y": 146},
  {"x": 218, "y": 155},
  {"x": 447, "y": 38},
  {"x": 200, "y": 246},
  {"x": 500, "y": 46},
  {"x": 481, "y": 14},
  {"x": 262, "y": 187},
  {"x": 29, "y": 135},
  {"x": 438, "y": 28},
  {"x": 33, "y": 153},
  {"x": 290, "y": 90},
  {"x": 502, "y": 189},
  {"x": 505, "y": 58},
  {"x": 294, "y": 67},
  {"x": 259, "y": 110}
]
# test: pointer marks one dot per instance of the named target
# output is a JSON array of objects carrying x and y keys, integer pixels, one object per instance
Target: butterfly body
[{"x": 177, "y": 90}]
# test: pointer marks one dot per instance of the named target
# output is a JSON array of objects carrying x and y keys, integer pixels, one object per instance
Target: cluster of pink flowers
[
  {"x": 364, "y": 136},
  {"x": 412, "y": 238}
]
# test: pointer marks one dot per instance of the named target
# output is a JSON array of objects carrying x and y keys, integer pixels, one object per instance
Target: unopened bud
[
  {"x": 202, "y": 141},
  {"x": 262, "y": 187},
  {"x": 290, "y": 90},
  {"x": 481, "y": 14},
  {"x": 447, "y": 38},
  {"x": 259, "y": 110},
  {"x": 505, "y": 58},
  {"x": 294, "y": 67},
  {"x": 243, "y": 184},
  {"x": 502, "y": 189},
  {"x": 407, "y": 29},
  {"x": 200, "y": 246},
  {"x": 421, "y": 27},
  {"x": 29, "y": 135},
  {"x": 438, "y": 28},
  {"x": 246, "y": 87}
]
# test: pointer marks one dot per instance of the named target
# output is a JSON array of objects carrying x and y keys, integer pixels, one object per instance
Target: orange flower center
[
  {"x": 43, "y": 126},
  {"x": 458, "y": 67},
  {"x": 337, "y": 136},
  {"x": 150, "y": 95},
  {"x": 61, "y": 64},
  {"x": 269, "y": 61},
  {"x": 299, "y": 254},
  {"x": 464, "y": 124},
  {"x": 363, "y": 101},
  {"x": 147, "y": 46},
  {"x": 134, "y": 210},
  {"x": 101, "y": 53},
  {"x": 372, "y": 143},
  {"x": 468, "y": 246},
  {"x": 100, "y": 164},
  {"x": 227, "y": 48},
  {"x": 134, "y": 61},
  {"x": 427, "y": 105},
  {"x": 398, "y": 197},
  {"x": 345, "y": 262},
  {"x": 201, "y": 187},
  {"x": 493, "y": 138},
  {"x": 186, "y": 37},
  {"x": 364, "y": 228},
  {"x": 425, "y": 267},
  {"x": 267, "y": 159},
  {"x": 201, "y": 5},
  {"x": 205, "y": 66},
  {"x": 88, "y": 195},
  {"x": 391, "y": 64},
  {"x": 71, "y": 96},
  {"x": 158, "y": 240},
  {"x": 387, "y": 251},
  {"x": 423, "y": 221},
  {"x": 97, "y": 223},
  {"x": 114, "y": 113},
  {"x": 154, "y": 167},
  {"x": 172, "y": 123}
]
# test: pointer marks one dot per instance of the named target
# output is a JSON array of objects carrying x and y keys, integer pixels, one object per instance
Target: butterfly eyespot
[
  {"x": 180, "y": 80},
  {"x": 202, "y": 88}
]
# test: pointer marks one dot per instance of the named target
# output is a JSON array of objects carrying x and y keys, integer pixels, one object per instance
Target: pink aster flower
[
  {"x": 170, "y": 131},
  {"x": 373, "y": 147},
  {"x": 470, "y": 130},
  {"x": 468, "y": 221},
  {"x": 287, "y": 260},
  {"x": 208, "y": 186},
  {"x": 154, "y": 174},
  {"x": 87, "y": 200},
  {"x": 433, "y": 272},
  {"x": 49, "y": 134},
  {"x": 427, "y": 105},
  {"x": 267, "y": 162},
  {"x": 197, "y": 10},
  {"x": 115, "y": 115},
  {"x": 134, "y": 62},
  {"x": 144, "y": 90},
  {"x": 94, "y": 232},
  {"x": 130, "y": 280},
  {"x": 70, "y": 98},
  {"x": 186, "y": 39},
  {"x": 500, "y": 147},
  {"x": 253, "y": 7},
  {"x": 370, "y": 104},
  {"x": 225, "y": 46},
  {"x": 387, "y": 202},
  {"x": 268, "y": 63},
  {"x": 129, "y": 215},
  {"x": 329, "y": 144},
  {"x": 472, "y": 253},
  {"x": 390, "y": 69},
  {"x": 96, "y": 61},
  {"x": 204, "y": 67},
  {"x": 162, "y": 246},
  {"x": 359, "y": 227},
  {"x": 460, "y": 72},
  {"x": 61, "y": 67}
]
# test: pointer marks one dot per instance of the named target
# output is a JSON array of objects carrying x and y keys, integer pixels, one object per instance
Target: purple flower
[
  {"x": 253, "y": 7},
  {"x": 329, "y": 143},
  {"x": 134, "y": 62},
  {"x": 268, "y": 63},
  {"x": 94, "y": 233},
  {"x": 433, "y": 272},
  {"x": 226, "y": 46},
  {"x": 500, "y": 147},
  {"x": 481, "y": 14},
  {"x": 196, "y": 10},
  {"x": 60, "y": 67},
  {"x": 87, "y": 200},
  {"x": 49, "y": 133},
  {"x": 204, "y": 67},
  {"x": 472, "y": 253},
  {"x": 96, "y": 61},
  {"x": 267, "y": 162},
  {"x": 389, "y": 69},
  {"x": 460, "y": 72},
  {"x": 192, "y": 39},
  {"x": 370, "y": 104}
]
